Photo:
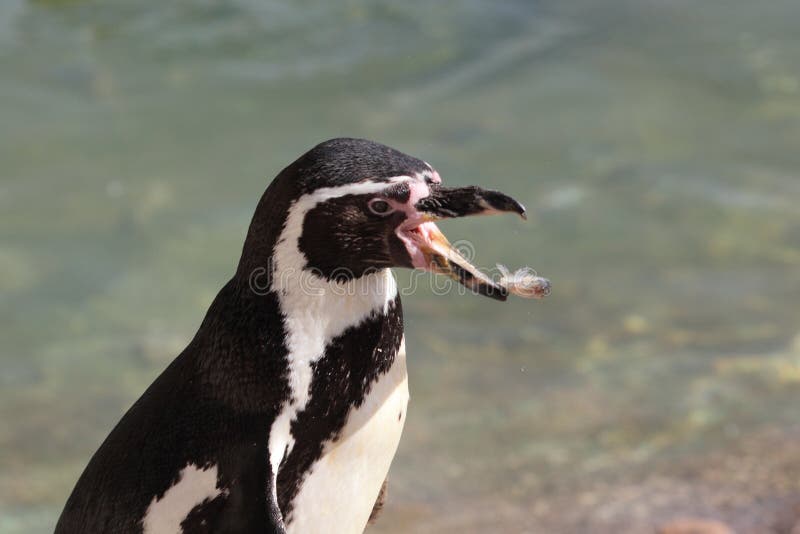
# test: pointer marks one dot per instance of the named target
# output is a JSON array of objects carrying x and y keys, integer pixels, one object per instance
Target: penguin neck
[
  {"x": 315, "y": 309},
  {"x": 311, "y": 304},
  {"x": 307, "y": 295}
]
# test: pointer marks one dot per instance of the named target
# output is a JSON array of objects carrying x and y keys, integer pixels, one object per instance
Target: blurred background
[{"x": 656, "y": 144}]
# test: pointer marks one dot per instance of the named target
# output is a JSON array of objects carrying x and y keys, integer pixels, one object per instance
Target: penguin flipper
[
  {"x": 248, "y": 502},
  {"x": 275, "y": 523},
  {"x": 379, "y": 502},
  {"x": 217, "y": 516}
]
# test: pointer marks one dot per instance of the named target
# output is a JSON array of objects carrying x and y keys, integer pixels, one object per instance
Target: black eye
[{"x": 379, "y": 207}]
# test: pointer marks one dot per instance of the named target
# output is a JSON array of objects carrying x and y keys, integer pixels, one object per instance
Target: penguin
[{"x": 284, "y": 412}]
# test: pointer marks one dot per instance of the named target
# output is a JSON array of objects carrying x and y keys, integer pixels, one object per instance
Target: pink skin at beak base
[{"x": 415, "y": 233}]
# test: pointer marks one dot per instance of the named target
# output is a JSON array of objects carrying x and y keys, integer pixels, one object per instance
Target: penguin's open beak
[{"x": 429, "y": 248}]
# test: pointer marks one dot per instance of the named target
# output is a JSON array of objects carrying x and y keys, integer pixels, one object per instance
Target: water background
[{"x": 655, "y": 143}]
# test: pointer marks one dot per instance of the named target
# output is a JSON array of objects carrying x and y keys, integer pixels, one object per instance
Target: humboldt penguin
[{"x": 285, "y": 410}]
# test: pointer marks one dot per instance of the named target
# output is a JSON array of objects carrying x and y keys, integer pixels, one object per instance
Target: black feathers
[
  {"x": 215, "y": 405},
  {"x": 344, "y": 160}
]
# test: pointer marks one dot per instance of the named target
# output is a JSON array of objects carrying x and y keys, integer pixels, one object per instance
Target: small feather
[{"x": 524, "y": 282}]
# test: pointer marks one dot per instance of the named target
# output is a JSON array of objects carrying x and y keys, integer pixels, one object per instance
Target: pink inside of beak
[
  {"x": 414, "y": 235},
  {"x": 416, "y": 231}
]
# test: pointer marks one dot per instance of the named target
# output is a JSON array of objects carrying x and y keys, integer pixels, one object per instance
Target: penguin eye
[{"x": 379, "y": 206}]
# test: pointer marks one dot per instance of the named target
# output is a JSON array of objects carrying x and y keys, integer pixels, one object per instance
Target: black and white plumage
[{"x": 285, "y": 410}]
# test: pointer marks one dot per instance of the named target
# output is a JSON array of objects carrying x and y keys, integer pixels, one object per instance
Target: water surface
[{"x": 654, "y": 143}]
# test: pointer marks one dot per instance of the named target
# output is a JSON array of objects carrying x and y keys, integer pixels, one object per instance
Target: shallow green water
[{"x": 654, "y": 143}]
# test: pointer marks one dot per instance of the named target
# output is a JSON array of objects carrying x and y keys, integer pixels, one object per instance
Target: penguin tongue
[{"x": 430, "y": 250}]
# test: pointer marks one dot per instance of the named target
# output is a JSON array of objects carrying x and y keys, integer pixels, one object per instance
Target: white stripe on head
[
  {"x": 430, "y": 174},
  {"x": 287, "y": 255},
  {"x": 316, "y": 310}
]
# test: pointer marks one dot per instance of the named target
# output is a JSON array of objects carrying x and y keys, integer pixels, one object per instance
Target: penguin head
[{"x": 351, "y": 207}]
